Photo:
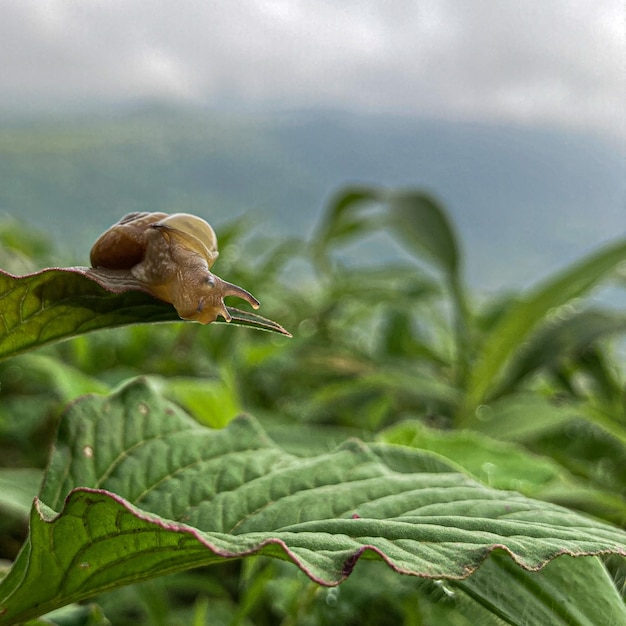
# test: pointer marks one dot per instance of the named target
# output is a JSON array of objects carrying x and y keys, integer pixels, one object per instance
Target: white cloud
[{"x": 552, "y": 61}]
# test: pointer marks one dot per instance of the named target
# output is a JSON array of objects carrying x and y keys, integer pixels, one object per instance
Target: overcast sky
[{"x": 525, "y": 61}]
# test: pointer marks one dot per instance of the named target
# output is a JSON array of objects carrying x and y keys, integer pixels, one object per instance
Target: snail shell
[{"x": 170, "y": 255}]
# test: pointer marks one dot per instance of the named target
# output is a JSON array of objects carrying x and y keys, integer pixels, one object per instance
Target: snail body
[{"x": 171, "y": 257}]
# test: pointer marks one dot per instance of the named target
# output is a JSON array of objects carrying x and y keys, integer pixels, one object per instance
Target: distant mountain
[{"x": 525, "y": 200}]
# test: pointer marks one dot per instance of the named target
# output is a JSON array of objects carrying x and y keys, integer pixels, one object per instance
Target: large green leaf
[
  {"x": 56, "y": 304},
  {"x": 151, "y": 491},
  {"x": 514, "y": 327}
]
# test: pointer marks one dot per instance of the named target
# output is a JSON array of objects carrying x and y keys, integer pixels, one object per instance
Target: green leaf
[
  {"x": 495, "y": 463},
  {"x": 567, "y": 335},
  {"x": 342, "y": 219},
  {"x": 74, "y": 615},
  {"x": 515, "y": 326},
  {"x": 151, "y": 491},
  {"x": 56, "y": 304},
  {"x": 524, "y": 416},
  {"x": 52, "y": 374},
  {"x": 18, "y": 487},
  {"x": 551, "y": 596},
  {"x": 504, "y": 465},
  {"x": 421, "y": 222},
  {"x": 213, "y": 402},
  {"x": 404, "y": 381}
]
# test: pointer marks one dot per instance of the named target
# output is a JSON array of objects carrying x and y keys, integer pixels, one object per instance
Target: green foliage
[
  {"x": 500, "y": 426},
  {"x": 507, "y": 339}
]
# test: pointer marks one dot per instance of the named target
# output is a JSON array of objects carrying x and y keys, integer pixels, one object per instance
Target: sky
[{"x": 533, "y": 62}]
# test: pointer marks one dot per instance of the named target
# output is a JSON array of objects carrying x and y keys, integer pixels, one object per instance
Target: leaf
[
  {"x": 53, "y": 375},
  {"x": 74, "y": 615},
  {"x": 252, "y": 320},
  {"x": 504, "y": 465},
  {"x": 514, "y": 327},
  {"x": 56, "y": 304},
  {"x": 18, "y": 487},
  {"x": 495, "y": 463},
  {"x": 524, "y": 416},
  {"x": 342, "y": 220},
  {"x": 407, "y": 381},
  {"x": 421, "y": 222},
  {"x": 151, "y": 491},
  {"x": 567, "y": 335},
  {"x": 550, "y": 596},
  {"x": 213, "y": 402}
]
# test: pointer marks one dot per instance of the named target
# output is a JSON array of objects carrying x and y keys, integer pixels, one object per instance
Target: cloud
[{"x": 558, "y": 62}]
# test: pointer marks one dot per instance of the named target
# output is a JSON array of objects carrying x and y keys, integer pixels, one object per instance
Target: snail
[{"x": 171, "y": 257}]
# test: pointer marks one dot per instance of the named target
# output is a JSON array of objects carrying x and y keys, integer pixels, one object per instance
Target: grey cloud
[{"x": 537, "y": 62}]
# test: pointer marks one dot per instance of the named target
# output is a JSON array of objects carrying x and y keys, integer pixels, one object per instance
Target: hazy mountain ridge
[{"x": 525, "y": 200}]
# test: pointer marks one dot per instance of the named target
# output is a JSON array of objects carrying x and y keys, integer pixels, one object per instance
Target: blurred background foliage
[{"x": 522, "y": 390}]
